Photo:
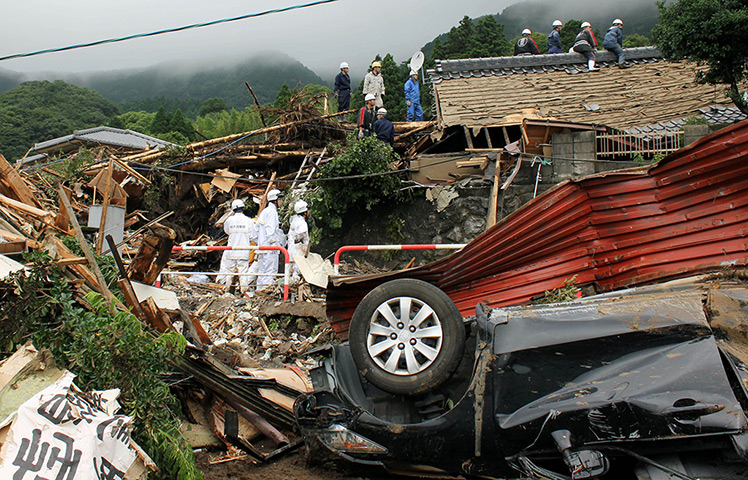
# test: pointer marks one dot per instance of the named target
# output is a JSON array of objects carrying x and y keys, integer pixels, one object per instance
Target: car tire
[{"x": 407, "y": 354}]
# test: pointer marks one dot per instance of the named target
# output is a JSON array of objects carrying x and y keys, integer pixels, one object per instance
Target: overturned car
[{"x": 646, "y": 383}]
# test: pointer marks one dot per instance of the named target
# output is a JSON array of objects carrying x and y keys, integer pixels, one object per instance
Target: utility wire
[{"x": 168, "y": 30}]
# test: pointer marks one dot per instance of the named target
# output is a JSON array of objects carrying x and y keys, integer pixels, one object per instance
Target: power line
[{"x": 168, "y": 30}]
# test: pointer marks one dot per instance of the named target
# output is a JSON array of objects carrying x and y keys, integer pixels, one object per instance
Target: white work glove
[
  {"x": 407, "y": 102},
  {"x": 360, "y": 134}
]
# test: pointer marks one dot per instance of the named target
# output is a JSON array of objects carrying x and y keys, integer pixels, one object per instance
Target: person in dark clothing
[
  {"x": 526, "y": 45},
  {"x": 383, "y": 127},
  {"x": 586, "y": 44},
  {"x": 366, "y": 116},
  {"x": 554, "y": 38},
  {"x": 343, "y": 88},
  {"x": 613, "y": 42}
]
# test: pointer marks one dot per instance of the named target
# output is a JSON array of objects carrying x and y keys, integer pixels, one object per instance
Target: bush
[
  {"x": 105, "y": 348},
  {"x": 369, "y": 160}
]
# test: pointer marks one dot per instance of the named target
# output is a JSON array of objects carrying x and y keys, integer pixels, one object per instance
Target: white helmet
[
  {"x": 237, "y": 205},
  {"x": 343, "y": 65},
  {"x": 558, "y": 23},
  {"x": 369, "y": 96},
  {"x": 526, "y": 31},
  {"x": 274, "y": 194},
  {"x": 586, "y": 24},
  {"x": 618, "y": 21},
  {"x": 413, "y": 72},
  {"x": 382, "y": 111},
  {"x": 300, "y": 207}
]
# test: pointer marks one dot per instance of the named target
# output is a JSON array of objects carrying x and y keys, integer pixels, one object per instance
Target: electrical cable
[{"x": 167, "y": 30}]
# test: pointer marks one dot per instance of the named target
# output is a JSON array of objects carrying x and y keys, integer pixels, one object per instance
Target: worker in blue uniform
[{"x": 413, "y": 98}]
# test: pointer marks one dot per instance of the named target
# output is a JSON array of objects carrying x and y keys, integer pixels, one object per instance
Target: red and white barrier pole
[
  {"x": 287, "y": 258},
  {"x": 359, "y": 248}
]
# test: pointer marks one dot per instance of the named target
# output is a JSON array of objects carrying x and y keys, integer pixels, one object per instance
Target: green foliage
[
  {"x": 636, "y": 40},
  {"x": 221, "y": 124},
  {"x": 283, "y": 98},
  {"x": 138, "y": 121},
  {"x": 395, "y": 234},
  {"x": 470, "y": 39},
  {"x": 566, "y": 293},
  {"x": 162, "y": 184},
  {"x": 106, "y": 349},
  {"x": 335, "y": 198},
  {"x": 696, "y": 120},
  {"x": 710, "y": 32},
  {"x": 569, "y": 33},
  {"x": 212, "y": 105},
  {"x": 38, "y": 111}
]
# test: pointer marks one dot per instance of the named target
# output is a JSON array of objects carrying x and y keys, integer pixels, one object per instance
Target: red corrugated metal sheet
[{"x": 687, "y": 214}]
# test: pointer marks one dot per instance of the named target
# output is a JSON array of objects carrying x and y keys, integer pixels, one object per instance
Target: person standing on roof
[
  {"x": 413, "y": 98},
  {"x": 298, "y": 236},
  {"x": 343, "y": 88},
  {"x": 269, "y": 234},
  {"x": 526, "y": 45},
  {"x": 586, "y": 44},
  {"x": 613, "y": 42},
  {"x": 554, "y": 38},
  {"x": 374, "y": 83},
  {"x": 241, "y": 231},
  {"x": 383, "y": 127},
  {"x": 366, "y": 116}
]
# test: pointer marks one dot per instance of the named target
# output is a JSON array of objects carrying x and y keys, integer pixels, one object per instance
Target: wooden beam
[
  {"x": 84, "y": 246},
  {"x": 506, "y": 135},
  {"x": 488, "y": 138},
  {"x": 105, "y": 205},
  {"x": 494, "y": 200},
  {"x": 468, "y": 137}
]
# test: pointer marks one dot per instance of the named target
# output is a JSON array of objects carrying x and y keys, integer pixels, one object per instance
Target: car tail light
[{"x": 340, "y": 439}]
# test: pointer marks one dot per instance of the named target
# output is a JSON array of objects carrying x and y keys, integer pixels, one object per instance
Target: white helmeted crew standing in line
[
  {"x": 268, "y": 234},
  {"x": 241, "y": 231},
  {"x": 298, "y": 236}
]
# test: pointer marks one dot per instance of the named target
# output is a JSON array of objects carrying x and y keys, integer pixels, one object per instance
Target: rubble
[{"x": 247, "y": 358}]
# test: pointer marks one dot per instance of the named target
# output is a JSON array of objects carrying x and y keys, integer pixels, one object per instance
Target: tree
[
  {"x": 160, "y": 123},
  {"x": 469, "y": 40},
  {"x": 636, "y": 40},
  {"x": 712, "y": 33},
  {"x": 212, "y": 105},
  {"x": 283, "y": 97},
  {"x": 181, "y": 124},
  {"x": 569, "y": 33}
]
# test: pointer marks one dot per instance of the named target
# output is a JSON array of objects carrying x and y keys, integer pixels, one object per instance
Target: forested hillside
[
  {"x": 37, "y": 111},
  {"x": 152, "y": 88}
]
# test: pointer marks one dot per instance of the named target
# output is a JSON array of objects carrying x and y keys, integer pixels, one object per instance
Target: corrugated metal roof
[
  {"x": 493, "y": 91},
  {"x": 686, "y": 214},
  {"x": 106, "y": 136}
]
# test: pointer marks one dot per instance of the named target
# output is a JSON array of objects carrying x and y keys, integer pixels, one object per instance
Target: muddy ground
[{"x": 292, "y": 466}]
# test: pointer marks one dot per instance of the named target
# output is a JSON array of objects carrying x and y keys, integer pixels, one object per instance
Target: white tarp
[{"x": 62, "y": 434}]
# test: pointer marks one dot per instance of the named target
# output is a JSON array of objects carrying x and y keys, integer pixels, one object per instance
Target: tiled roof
[
  {"x": 571, "y": 63},
  {"x": 106, "y": 136},
  {"x": 504, "y": 90},
  {"x": 716, "y": 115}
]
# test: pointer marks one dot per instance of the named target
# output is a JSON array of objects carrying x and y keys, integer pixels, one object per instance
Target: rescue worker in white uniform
[
  {"x": 268, "y": 234},
  {"x": 298, "y": 236},
  {"x": 241, "y": 231}
]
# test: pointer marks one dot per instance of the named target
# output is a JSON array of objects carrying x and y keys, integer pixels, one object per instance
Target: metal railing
[
  {"x": 646, "y": 145},
  {"x": 361, "y": 248}
]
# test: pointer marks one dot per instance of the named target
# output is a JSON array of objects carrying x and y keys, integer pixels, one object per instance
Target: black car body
[{"x": 635, "y": 382}]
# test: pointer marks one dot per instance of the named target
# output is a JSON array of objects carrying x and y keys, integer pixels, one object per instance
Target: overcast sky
[{"x": 320, "y": 36}]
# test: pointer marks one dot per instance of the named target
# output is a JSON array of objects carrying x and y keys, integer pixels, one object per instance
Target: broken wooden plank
[
  {"x": 101, "y": 284},
  {"x": 153, "y": 255},
  {"x": 105, "y": 205},
  {"x": 17, "y": 184}
]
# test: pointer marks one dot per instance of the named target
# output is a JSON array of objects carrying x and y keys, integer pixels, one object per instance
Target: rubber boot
[{"x": 591, "y": 66}]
